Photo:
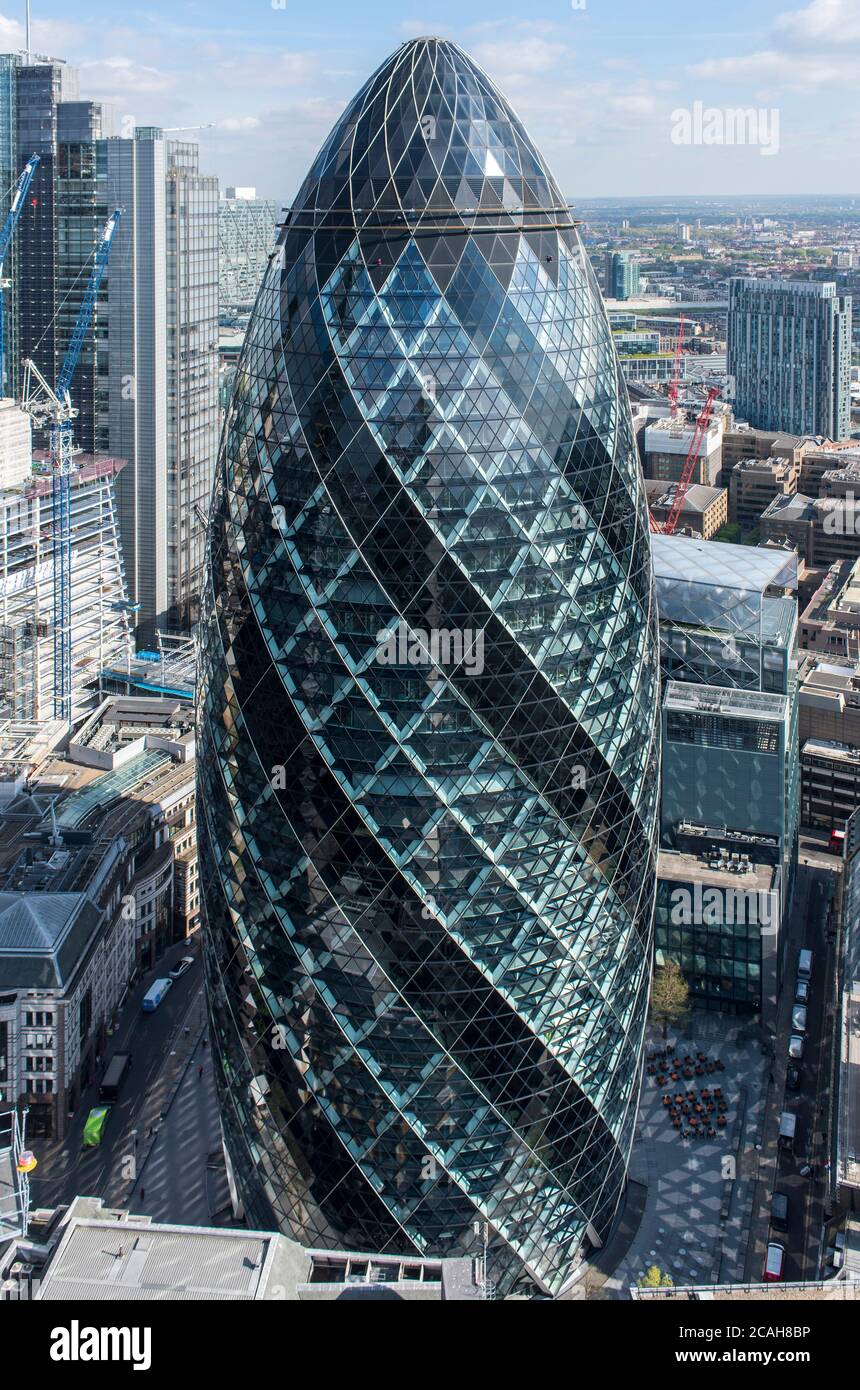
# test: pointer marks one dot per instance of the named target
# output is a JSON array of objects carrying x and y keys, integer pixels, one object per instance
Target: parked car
[
  {"x": 795, "y": 1047},
  {"x": 793, "y": 1077},
  {"x": 774, "y": 1262},
  {"x": 804, "y": 964},
  {"x": 180, "y": 967},
  {"x": 801, "y": 991},
  {"x": 798, "y": 1018},
  {"x": 779, "y": 1211}
]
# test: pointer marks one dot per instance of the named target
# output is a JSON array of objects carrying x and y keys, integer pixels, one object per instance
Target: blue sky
[{"x": 597, "y": 86}]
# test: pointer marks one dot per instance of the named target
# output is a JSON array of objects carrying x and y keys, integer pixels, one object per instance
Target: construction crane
[
  {"x": 22, "y": 188},
  {"x": 51, "y": 407},
  {"x": 676, "y": 371},
  {"x": 667, "y": 528}
]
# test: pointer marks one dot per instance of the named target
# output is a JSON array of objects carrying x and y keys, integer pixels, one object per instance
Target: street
[
  {"x": 782, "y": 1170},
  {"x": 161, "y": 1052}
]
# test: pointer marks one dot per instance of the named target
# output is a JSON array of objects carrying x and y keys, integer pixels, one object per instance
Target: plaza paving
[{"x": 695, "y": 1222}]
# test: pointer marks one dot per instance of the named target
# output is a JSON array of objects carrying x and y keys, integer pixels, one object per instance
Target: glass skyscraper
[{"x": 428, "y": 737}]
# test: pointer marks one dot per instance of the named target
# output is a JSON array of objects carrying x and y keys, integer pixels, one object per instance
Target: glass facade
[{"x": 429, "y": 862}]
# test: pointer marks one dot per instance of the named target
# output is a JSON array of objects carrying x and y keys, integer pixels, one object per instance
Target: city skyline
[{"x": 611, "y": 91}]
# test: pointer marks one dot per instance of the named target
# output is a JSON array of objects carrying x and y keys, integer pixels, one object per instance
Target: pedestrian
[
  {"x": 186, "y": 1030},
  {"x": 200, "y": 1070},
  {"x": 205, "y": 1041},
  {"x": 143, "y": 1194}
]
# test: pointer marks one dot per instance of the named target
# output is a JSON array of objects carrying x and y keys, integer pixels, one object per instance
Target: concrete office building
[
  {"x": 789, "y": 355},
  {"x": 753, "y": 484},
  {"x": 667, "y": 444},
  {"x": 87, "y": 1245},
  {"x": 703, "y": 511},
  {"x": 830, "y": 623}
]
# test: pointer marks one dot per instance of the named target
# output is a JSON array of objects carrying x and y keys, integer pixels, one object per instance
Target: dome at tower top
[{"x": 429, "y": 131}]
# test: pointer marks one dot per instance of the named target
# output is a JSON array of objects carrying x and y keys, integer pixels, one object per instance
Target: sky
[{"x": 624, "y": 98}]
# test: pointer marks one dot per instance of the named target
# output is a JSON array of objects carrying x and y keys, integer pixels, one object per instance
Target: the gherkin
[{"x": 428, "y": 743}]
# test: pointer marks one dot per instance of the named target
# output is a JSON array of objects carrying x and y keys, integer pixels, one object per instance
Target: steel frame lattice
[{"x": 429, "y": 887}]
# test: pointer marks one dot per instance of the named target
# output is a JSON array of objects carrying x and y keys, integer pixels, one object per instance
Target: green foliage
[
  {"x": 670, "y": 995},
  {"x": 654, "y": 1278}
]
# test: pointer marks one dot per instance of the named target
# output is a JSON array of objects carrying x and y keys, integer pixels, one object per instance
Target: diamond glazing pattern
[{"x": 429, "y": 867}]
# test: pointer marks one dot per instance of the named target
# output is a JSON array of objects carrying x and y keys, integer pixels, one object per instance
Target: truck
[
  {"x": 155, "y": 994},
  {"x": 787, "y": 1130},
  {"x": 114, "y": 1076}
]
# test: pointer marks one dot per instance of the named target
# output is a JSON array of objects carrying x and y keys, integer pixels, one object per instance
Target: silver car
[
  {"x": 795, "y": 1047},
  {"x": 798, "y": 1018},
  {"x": 801, "y": 992}
]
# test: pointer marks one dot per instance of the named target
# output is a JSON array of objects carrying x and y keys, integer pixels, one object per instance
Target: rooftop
[
  {"x": 715, "y": 699},
  {"x": 42, "y": 937},
  {"x": 711, "y": 564},
  {"x": 109, "y": 1254},
  {"x": 716, "y": 870}
]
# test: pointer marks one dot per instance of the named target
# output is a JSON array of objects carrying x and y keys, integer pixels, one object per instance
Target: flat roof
[
  {"x": 828, "y": 748},
  {"x": 717, "y": 699},
  {"x": 674, "y": 864},
  {"x": 130, "y": 1259}
]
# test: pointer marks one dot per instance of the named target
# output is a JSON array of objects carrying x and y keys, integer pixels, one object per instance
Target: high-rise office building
[
  {"x": 428, "y": 752},
  {"x": 789, "y": 355},
  {"x": 246, "y": 234},
  {"x": 730, "y": 768},
  {"x": 623, "y": 277},
  {"x": 146, "y": 385}
]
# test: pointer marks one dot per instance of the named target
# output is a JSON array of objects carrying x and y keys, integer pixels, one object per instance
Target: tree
[
  {"x": 670, "y": 995},
  {"x": 654, "y": 1278}
]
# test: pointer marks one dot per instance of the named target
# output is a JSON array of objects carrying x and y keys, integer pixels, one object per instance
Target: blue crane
[
  {"x": 22, "y": 188},
  {"x": 52, "y": 407}
]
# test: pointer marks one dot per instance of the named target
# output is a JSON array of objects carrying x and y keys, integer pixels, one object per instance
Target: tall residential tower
[{"x": 789, "y": 355}]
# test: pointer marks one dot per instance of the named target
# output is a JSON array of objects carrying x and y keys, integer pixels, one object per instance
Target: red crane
[
  {"x": 667, "y": 527},
  {"x": 676, "y": 370}
]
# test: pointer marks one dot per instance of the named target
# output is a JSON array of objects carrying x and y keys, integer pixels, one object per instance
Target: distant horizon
[{"x": 770, "y": 96}]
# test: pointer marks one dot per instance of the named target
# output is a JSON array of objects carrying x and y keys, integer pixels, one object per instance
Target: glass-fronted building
[
  {"x": 789, "y": 355},
  {"x": 730, "y": 799},
  {"x": 428, "y": 744}
]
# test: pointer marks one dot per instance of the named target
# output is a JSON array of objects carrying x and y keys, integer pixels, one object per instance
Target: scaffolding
[
  {"x": 99, "y": 602},
  {"x": 14, "y": 1182}
]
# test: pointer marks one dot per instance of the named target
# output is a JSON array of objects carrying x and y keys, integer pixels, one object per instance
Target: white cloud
[
  {"x": 823, "y": 22},
  {"x": 239, "y": 123},
  {"x": 512, "y": 60},
  {"x": 775, "y": 71},
  {"x": 118, "y": 76}
]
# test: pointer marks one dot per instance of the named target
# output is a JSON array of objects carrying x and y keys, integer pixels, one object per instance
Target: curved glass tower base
[{"x": 428, "y": 738}]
